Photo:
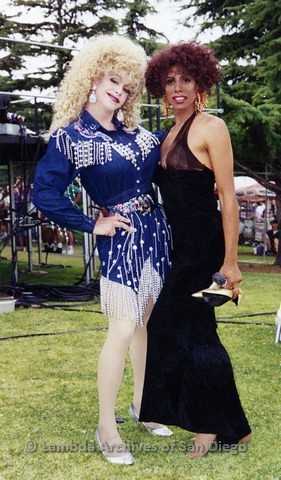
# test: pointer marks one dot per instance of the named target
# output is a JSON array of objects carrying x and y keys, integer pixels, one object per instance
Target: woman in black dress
[{"x": 189, "y": 379}]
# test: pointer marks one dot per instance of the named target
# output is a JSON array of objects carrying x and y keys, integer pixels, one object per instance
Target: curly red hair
[{"x": 197, "y": 59}]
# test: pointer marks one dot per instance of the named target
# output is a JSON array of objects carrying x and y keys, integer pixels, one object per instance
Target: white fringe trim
[{"x": 123, "y": 303}]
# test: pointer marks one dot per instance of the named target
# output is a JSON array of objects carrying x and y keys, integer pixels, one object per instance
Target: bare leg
[
  {"x": 138, "y": 348},
  {"x": 110, "y": 373}
]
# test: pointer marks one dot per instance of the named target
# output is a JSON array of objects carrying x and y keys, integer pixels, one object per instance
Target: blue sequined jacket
[{"x": 112, "y": 165}]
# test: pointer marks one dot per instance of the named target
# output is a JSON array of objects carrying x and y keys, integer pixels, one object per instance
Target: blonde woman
[{"x": 95, "y": 134}]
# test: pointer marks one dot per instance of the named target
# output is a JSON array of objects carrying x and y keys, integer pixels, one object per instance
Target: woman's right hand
[{"x": 107, "y": 225}]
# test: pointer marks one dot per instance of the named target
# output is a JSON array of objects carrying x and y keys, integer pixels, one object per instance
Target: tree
[
  {"x": 58, "y": 22},
  {"x": 249, "y": 50},
  {"x": 65, "y": 24},
  {"x": 135, "y": 27}
]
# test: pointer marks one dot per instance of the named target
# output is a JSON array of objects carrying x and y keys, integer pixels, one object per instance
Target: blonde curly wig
[{"x": 103, "y": 55}]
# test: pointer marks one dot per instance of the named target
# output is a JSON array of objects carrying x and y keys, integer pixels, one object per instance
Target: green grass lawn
[{"x": 49, "y": 396}]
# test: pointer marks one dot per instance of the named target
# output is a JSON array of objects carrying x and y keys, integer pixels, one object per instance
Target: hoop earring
[
  {"x": 120, "y": 115},
  {"x": 165, "y": 106},
  {"x": 93, "y": 97},
  {"x": 201, "y": 101}
]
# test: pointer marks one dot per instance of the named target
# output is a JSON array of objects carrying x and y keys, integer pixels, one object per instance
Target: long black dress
[{"x": 189, "y": 379}]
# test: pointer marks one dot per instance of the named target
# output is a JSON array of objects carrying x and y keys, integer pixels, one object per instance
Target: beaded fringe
[
  {"x": 123, "y": 303},
  {"x": 84, "y": 153}
]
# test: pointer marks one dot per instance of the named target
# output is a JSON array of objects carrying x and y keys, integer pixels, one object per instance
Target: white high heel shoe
[
  {"x": 162, "y": 431},
  {"x": 126, "y": 459}
]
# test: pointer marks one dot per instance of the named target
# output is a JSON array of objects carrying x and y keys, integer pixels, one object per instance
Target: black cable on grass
[
  {"x": 29, "y": 335},
  {"x": 227, "y": 319},
  {"x": 61, "y": 293},
  {"x": 42, "y": 334},
  {"x": 66, "y": 308},
  {"x": 250, "y": 315},
  {"x": 33, "y": 304},
  {"x": 31, "y": 295},
  {"x": 246, "y": 323}
]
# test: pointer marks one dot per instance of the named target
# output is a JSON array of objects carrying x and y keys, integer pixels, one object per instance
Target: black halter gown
[{"x": 189, "y": 378}]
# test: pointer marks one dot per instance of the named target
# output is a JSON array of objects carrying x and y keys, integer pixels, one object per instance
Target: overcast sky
[{"x": 167, "y": 21}]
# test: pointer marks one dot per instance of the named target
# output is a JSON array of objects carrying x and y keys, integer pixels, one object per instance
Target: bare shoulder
[
  {"x": 215, "y": 131},
  {"x": 212, "y": 121}
]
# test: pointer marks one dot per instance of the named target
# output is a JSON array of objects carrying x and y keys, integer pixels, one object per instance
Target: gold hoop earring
[
  {"x": 201, "y": 101},
  {"x": 165, "y": 106}
]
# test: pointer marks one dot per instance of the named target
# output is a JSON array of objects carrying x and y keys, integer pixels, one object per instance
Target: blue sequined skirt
[{"x": 134, "y": 265}]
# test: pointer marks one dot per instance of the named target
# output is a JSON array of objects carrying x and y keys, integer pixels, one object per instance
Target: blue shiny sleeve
[{"x": 54, "y": 173}]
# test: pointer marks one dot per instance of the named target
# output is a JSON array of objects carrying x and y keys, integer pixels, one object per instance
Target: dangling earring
[
  {"x": 201, "y": 101},
  {"x": 165, "y": 106},
  {"x": 120, "y": 115},
  {"x": 93, "y": 97}
]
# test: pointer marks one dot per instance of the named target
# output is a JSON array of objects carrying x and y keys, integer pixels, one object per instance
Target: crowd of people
[
  {"x": 53, "y": 236},
  {"x": 259, "y": 226}
]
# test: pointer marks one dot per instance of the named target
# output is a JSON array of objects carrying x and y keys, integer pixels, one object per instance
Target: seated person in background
[
  {"x": 272, "y": 237},
  {"x": 52, "y": 235},
  {"x": 4, "y": 217},
  {"x": 20, "y": 199},
  {"x": 259, "y": 212}
]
